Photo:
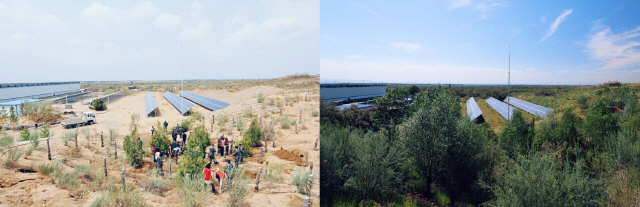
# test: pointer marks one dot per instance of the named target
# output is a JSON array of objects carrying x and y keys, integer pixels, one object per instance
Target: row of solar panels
[
  {"x": 506, "y": 111},
  {"x": 502, "y": 108},
  {"x": 203, "y": 101},
  {"x": 150, "y": 102},
  {"x": 529, "y": 107},
  {"x": 472, "y": 109},
  {"x": 183, "y": 105}
]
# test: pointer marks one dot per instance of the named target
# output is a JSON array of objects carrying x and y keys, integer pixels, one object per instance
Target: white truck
[{"x": 87, "y": 118}]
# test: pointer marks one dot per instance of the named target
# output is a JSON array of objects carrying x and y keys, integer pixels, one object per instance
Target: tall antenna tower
[{"x": 508, "y": 86}]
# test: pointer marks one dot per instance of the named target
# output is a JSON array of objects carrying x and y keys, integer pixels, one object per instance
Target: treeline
[{"x": 397, "y": 152}]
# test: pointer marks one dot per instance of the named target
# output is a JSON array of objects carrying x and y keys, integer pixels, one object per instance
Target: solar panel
[
  {"x": 529, "y": 107},
  {"x": 473, "y": 111},
  {"x": 204, "y": 101},
  {"x": 150, "y": 103},
  {"x": 182, "y": 105},
  {"x": 502, "y": 108}
]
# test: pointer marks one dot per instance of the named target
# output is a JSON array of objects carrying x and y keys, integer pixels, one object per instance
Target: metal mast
[{"x": 508, "y": 86}]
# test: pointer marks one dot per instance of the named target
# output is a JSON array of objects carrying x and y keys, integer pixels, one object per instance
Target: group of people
[{"x": 223, "y": 146}]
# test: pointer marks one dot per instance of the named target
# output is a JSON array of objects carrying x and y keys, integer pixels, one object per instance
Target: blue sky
[
  {"x": 43, "y": 41},
  {"x": 552, "y": 42}
]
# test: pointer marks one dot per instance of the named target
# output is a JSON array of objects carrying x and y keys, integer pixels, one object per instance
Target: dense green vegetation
[
  {"x": 428, "y": 153},
  {"x": 99, "y": 105}
]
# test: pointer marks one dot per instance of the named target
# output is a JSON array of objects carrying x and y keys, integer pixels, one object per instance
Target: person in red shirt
[
  {"x": 153, "y": 153},
  {"x": 208, "y": 175},
  {"x": 220, "y": 176}
]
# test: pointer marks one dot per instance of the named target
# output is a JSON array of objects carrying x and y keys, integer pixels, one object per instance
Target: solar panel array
[
  {"x": 182, "y": 105},
  {"x": 501, "y": 108},
  {"x": 529, "y": 107},
  {"x": 472, "y": 109},
  {"x": 204, "y": 101},
  {"x": 150, "y": 103}
]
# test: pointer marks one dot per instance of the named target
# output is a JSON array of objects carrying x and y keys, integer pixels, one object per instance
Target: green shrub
[
  {"x": 284, "y": 122},
  {"x": 46, "y": 169},
  {"x": 193, "y": 192},
  {"x": 160, "y": 138},
  {"x": 155, "y": 185},
  {"x": 99, "y": 105},
  {"x": 582, "y": 101},
  {"x": 116, "y": 197},
  {"x": 300, "y": 178},
  {"x": 132, "y": 144},
  {"x": 254, "y": 135},
  {"x": 271, "y": 102},
  {"x": 260, "y": 97},
  {"x": 274, "y": 174},
  {"x": 187, "y": 123},
  {"x": 240, "y": 124},
  {"x": 24, "y": 134},
  {"x": 222, "y": 119},
  {"x": 315, "y": 113},
  {"x": 199, "y": 138},
  {"x": 13, "y": 154},
  {"x": 192, "y": 163},
  {"x": 543, "y": 176},
  {"x": 237, "y": 188}
]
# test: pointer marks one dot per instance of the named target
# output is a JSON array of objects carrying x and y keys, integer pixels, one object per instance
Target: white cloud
[
  {"x": 196, "y": 32},
  {"x": 166, "y": 20},
  {"x": 615, "y": 50},
  {"x": 143, "y": 10},
  {"x": 531, "y": 69},
  {"x": 18, "y": 37},
  {"x": 484, "y": 8},
  {"x": 406, "y": 47},
  {"x": 563, "y": 71},
  {"x": 98, "y": 14},
  {"x": 279, "y": 23},
  {"x": 357, "y": 57},
  {"x": 406, "y": 72},
  {"x": 454, "y": 4},
  {"x": 556, "y": 24}
]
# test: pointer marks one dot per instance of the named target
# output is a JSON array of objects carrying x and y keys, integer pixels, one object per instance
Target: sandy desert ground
[{"x": 22, "y": 185}]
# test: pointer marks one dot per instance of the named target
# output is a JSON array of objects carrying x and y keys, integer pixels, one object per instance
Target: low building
[
  {"x": 16, "y": 106},
  {"x": 351, "y": 92}
]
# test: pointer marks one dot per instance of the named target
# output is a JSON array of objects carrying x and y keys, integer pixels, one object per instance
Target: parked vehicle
[{"x": 87, "y": 118}]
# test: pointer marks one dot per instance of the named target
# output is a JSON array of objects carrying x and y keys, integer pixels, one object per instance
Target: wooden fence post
[
  {"x": 261, "y": 154},
  {"x": 274, "y": 141},
  {"x": 101, "y": 139},
  {"x": 115, "y": 149},
  {"x": 311, "y": 166},
  {"x": 212, "y": 121},
  {"x": 300, "y": 118},
  {"x": 124, "y": 185},
  {"x": 77, "y": 141},
  {"x": 265, "y": 144},
  {"x": 105, "y": 167},
  {"x": 316, "y": 145},
  {"x": 48, "y": 148},
  {"x": 258, "y": 178}
]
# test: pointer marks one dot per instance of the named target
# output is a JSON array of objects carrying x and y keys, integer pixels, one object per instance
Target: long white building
[{"x": 21, "y": 91}]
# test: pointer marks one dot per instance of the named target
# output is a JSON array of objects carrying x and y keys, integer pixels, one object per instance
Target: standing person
[
  {"x": 159, "y": 164},
  {"x": 152, "y": 130},
  {"x": 220, "y": 176},
  {"x": 184, "y": 138},
  {"x": 229, "y": 169},
  {"x": 212, "y": 154},
  {"x": 226, "y": 146},
  {"x": 236, "y": 155},
  {"x": 153, "y": 153},
  {"x": 242, "y": 153},
  {"x": 220, "y": 150},
  {"x": 173, "y": 146},
  {"x": 208, "y": 174},
  {"x": 174, "y": 135},
  {"x": 165, "y": 124}
]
